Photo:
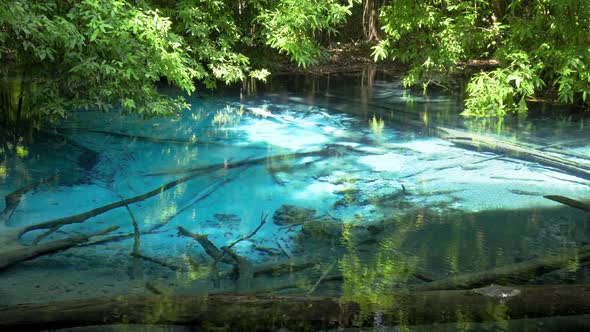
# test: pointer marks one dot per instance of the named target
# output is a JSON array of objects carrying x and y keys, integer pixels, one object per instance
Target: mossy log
[
  {"x": 569, "y": 202},
  {"x": 269, "y": 312},
  {"x": 511, "y": 273}
]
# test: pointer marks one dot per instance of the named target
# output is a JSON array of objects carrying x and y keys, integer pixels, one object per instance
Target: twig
[
  {"x": 153, "y": 288},
  {"x": 262, "y": 222},
  {"x": 156, "y": 261},
  {"x": 208, "y": 192},
  {"x": 46, "y": 234},
  {"x": 282, "y": 249},
  {"x": 322, "y": 277},
  {"x": 136, "y": 233},
  {"x": 109, "y": 239}
]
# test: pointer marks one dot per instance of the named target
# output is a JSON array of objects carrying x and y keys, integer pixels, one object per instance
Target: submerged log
[
  {"x": 475, "y": 141},
  {"x": 329, "y": 150},
  {"x": 269, "y": 312},
  {"x": 518, "y": 151},
  {"x": 510, "y": 273},
  {"x": 569, "y": 202},
  {"x": 13, "y": 199},
  {"x": 13, "y": 252}
]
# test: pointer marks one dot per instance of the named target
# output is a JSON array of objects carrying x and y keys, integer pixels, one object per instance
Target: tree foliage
[
  {"x": 108, "y": 54},
  {"x": 97, "y": 54},
  {"x": 292, "y": 25},
  {"x": 541, "y": 46},
  {"x": 105, "y": 54}
]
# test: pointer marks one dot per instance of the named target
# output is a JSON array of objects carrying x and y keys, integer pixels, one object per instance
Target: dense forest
[{"x": 98, "y": 54}]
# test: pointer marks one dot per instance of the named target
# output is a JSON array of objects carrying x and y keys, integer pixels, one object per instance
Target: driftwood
[
  {"x": 215, "y": 253},
  {"x": 569, "y": 202},
  {"x": 11, "y": 251},
  {"x": 242, "y": 267},
  {"x": 511, "y": 273},
  {"x": 271, "y": 312}
]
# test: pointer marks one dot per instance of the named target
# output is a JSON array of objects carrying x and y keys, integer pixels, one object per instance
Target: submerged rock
[
  {"x": 88, "y": 159},
  {"x": 227, "y": 217},
  {"x": 323, "y": 229},
  {"x": 288, "y": 215},
  {"x": 497, "y": 291}
]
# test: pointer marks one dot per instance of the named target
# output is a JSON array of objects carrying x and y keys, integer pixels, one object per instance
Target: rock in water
[
  {"x": 288, "y": 215},
  {"x": 497, "y": 291},
  {"x": 227, "y": 217},
  {"x": 323, "y": 229},
  {"x": 88, "y": 159}
]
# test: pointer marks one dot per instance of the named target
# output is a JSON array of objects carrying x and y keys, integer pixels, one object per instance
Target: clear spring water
[{"x": 356, "y": 192}]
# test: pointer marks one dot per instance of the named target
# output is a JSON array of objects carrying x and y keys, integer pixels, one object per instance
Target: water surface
[{"x": 332, "y": 186}]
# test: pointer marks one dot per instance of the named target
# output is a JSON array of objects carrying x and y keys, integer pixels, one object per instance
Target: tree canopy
[
  {"x": 539, "y": 47},
  {"x": 104, "y": 54}
]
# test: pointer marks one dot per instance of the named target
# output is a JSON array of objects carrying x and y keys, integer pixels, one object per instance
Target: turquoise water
[{"x": 334, "y": 186}]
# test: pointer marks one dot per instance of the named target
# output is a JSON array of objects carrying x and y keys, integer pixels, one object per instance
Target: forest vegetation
[{"x": 99, "y": 54}]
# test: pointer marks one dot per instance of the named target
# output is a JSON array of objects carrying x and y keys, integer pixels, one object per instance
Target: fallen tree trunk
[
  {"x": 569, "y": 202},
  {"x": 511, "y": 273},
  {"x": 268, "y": 312},
  {"x": 518, "y": 151},
  {"x": 327, "y": 151},
  {"x": 13, "y": 252},
  {"x": 476, "y": 141}
]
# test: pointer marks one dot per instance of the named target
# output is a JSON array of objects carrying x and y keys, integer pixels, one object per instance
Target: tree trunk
[{"x": 370, "y": 20}]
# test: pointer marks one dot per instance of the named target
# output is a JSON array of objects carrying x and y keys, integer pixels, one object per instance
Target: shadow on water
[{"x": 308, "y": 204}]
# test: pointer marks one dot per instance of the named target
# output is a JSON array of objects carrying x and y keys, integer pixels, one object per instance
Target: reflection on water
[{"x": 340, "y": 188}]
